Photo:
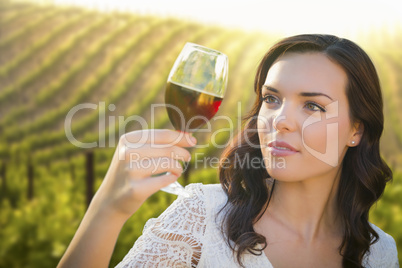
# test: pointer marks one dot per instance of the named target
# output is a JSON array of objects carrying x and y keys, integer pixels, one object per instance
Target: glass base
[{"x": 176, "y": 188}]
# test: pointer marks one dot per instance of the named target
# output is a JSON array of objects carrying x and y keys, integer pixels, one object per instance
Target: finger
[
  {"x": 153, "y": 151},
  {"x": 151, "y": 166},
  {"x": 159, "y": 136}
]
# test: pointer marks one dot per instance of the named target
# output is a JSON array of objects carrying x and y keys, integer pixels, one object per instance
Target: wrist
[{"x": 101, "y": 211}]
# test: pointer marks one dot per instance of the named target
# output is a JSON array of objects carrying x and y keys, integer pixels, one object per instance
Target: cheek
[
  {"x": 327, "y": 136},
  {"x": 345, "y": 131},
  {"x": 264, "y": 125},
  {"x": 314, "y": 136}
]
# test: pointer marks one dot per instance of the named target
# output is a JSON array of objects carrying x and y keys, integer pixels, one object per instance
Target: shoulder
[
  {"x": 176, "y": 237},
  {"x": 199, "y": 189},
  {"x": 208, "y": 194},
  {"x": 383, "y": 253},
  {"x": 196, "y": 206},
  {"x": 212, "y": 196}
]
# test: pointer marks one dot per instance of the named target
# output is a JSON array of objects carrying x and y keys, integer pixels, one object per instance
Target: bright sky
[{"x": 342, "y": 17}]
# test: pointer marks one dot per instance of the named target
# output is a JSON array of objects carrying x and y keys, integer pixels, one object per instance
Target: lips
[{"x": 281, "y": 148}]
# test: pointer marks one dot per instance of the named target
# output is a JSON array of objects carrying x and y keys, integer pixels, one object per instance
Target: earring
[{"x": 353, "y": 142}]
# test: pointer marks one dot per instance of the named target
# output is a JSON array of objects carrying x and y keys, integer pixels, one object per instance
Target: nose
[{"x": 283, "y": 120}]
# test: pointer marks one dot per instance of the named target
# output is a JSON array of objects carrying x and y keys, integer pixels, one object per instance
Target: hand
[{"x": 139, "y": 156}]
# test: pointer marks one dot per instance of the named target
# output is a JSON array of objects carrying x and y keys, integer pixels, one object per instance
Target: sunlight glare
[{"x": 342, "y": 17}]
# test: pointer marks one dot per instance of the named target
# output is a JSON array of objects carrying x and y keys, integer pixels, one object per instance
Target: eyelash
[{"x": 266, "y": 97}]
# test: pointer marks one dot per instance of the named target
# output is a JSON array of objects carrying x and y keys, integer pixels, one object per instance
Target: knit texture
[{"x": 188, "y": 234}]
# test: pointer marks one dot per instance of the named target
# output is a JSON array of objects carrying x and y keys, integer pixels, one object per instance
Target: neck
[{"x": 307, "y": 208}]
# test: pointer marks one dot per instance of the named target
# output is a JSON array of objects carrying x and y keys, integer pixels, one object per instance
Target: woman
[{"x": 315, "y": 127}]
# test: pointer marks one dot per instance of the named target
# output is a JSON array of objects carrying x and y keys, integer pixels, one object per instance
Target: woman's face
[{"x": 303, "y": 124}]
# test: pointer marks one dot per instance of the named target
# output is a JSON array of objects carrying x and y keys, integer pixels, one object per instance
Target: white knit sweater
[{"x": 190, "y": 229}]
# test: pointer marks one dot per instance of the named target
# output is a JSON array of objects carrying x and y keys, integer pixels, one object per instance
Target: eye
[
  {"x": 312, "y": 106},
  {"x": 270, "y": 99}
]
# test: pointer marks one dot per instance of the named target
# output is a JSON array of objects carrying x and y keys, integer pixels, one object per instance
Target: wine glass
[{"x": 194, "y": 91}]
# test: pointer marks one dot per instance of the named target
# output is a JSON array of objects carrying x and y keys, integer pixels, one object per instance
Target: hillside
[{"x": 54, "y": 59}]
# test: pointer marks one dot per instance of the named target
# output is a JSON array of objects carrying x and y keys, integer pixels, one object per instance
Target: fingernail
[{"x": 193, "y": 140}]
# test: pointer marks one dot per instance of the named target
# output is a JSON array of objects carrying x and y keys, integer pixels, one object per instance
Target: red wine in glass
[{"x": 194, "y": 107}]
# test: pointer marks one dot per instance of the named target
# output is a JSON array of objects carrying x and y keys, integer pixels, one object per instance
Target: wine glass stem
[{"x": 175, "y": 187}]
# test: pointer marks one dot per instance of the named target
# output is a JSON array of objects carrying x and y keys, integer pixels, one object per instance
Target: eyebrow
[{"x": 304, "y": 94}]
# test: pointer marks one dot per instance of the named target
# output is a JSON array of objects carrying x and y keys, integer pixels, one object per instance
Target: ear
[{"x": 357, "y": 134}]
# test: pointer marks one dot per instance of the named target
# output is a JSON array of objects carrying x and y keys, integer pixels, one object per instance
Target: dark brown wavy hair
[{"x": 363, "y": 172}]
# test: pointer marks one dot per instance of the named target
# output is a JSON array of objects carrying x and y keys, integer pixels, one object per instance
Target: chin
[{"x": 281, "y": 174}]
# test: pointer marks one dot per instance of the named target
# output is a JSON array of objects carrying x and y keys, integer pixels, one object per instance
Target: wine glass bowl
[
  {"x": 194, "y": 92},
  {"x": 195, "y": 87}
]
